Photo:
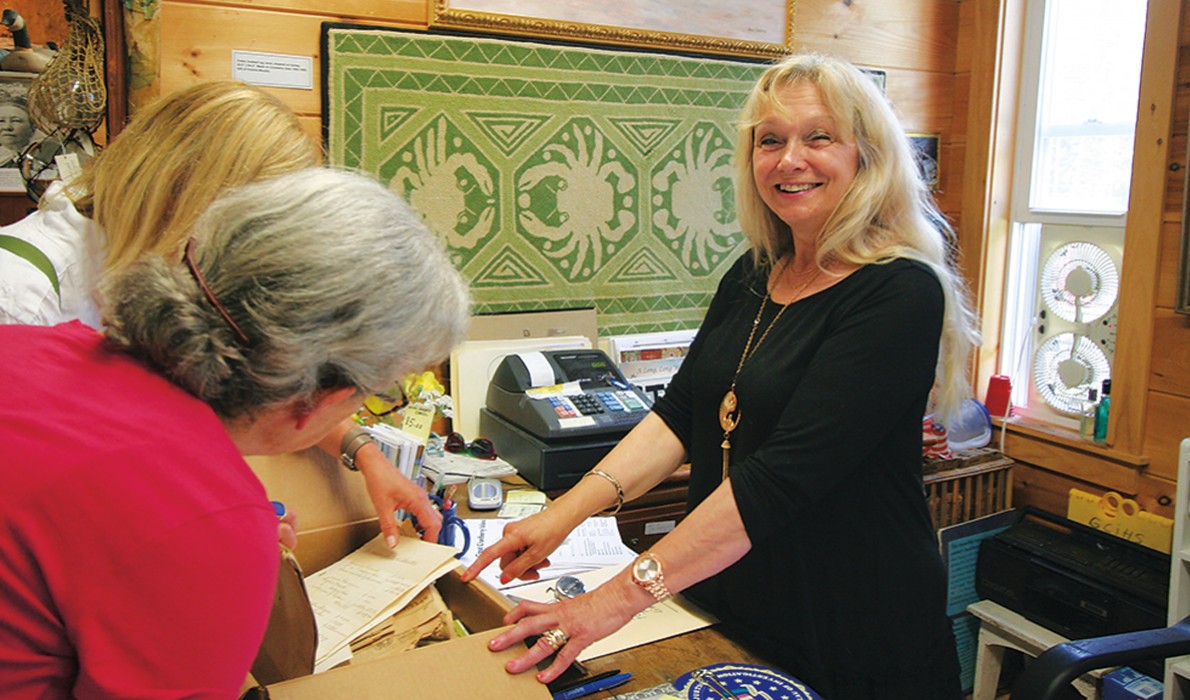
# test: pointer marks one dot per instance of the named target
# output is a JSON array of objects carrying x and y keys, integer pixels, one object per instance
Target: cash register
[{"x": 554, "y": 414}]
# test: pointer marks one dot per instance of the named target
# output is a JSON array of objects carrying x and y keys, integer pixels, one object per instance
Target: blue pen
[{"x": 594, "y": 686}]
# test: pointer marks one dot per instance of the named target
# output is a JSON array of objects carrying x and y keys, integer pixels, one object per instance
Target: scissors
[{"x": 450, "y": 523}]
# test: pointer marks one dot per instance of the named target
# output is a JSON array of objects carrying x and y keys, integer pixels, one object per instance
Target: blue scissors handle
[{"x": 450, "y": 522}]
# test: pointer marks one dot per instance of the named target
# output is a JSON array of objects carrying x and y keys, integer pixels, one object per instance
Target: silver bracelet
[
  {"x": 614, "y": 482},
  {"x": 351, "y": 443}
]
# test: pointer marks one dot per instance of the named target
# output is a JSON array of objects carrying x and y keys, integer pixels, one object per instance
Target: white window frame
[
  {"x": 1032, "y": 56},
  {"x": 1018, "y": 322}
]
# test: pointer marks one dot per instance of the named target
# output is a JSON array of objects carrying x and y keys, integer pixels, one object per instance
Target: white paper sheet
[{"x": 592, "y": 545}]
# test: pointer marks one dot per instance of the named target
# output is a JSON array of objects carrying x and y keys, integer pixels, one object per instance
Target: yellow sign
[
  {"x": 1121, "y": 517},
  {"x": 417, "y": 420}
]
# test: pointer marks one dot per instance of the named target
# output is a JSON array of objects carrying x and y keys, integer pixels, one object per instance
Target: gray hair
[{"x": 335, "y": 280}]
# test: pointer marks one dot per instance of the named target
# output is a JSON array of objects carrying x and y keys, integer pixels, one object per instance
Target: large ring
[{"x": 555, "y": 638}]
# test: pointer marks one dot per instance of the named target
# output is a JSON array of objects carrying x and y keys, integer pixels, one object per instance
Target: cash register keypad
[{"x": 599, "y": 402}]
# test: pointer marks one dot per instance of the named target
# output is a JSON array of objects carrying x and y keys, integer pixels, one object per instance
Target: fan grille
[
  {"x": 1105, "y": 282},
  {"x": 1062, "y": 377}
]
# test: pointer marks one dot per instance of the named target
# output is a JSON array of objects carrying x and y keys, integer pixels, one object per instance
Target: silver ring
[{"x": 555, "y": 638}]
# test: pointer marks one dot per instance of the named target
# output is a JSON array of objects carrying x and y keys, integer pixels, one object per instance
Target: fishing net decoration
[
  {"x": 66, "y": 102},
  {"x": 71, "y": 94}
]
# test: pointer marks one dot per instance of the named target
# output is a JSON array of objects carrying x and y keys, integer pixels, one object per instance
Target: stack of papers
[
  {"x": 452, "y": 468},
  {"x": 368, "y": 586},
  {"x": 403, "y": 449},
  {"x": 594, "y": 544}
]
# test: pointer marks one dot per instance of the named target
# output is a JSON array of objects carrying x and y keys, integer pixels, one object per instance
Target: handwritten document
[{"x": 367, "y": 586}]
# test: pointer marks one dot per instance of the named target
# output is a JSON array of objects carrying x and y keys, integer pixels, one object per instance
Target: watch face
[
  {"x": 568, "y": 587},
  {"x": 647, "y": 569}
]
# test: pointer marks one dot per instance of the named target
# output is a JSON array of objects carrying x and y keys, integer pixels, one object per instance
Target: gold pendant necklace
[{"x": 729, "y": 407}]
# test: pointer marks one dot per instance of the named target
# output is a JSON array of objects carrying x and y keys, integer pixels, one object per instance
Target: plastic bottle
[
  {"x": 1086, "y": 419},
  {"x": 1101, "y": 413}
]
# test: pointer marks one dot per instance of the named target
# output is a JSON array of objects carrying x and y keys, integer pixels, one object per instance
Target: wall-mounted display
[
  {"x": 703, "y": 26},
  {"x": 925, "y": 147},
  {"x": 557, "y": 176}
]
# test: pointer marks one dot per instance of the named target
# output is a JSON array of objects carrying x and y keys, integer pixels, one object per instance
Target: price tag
[
  {"x": 68, "y": 166},
  {"x": 417, "y": 421}
]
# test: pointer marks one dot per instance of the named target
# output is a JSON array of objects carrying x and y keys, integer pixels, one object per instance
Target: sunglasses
[
  {"x": 480, "y": 448},
  {"x": 385, "y": 402}
]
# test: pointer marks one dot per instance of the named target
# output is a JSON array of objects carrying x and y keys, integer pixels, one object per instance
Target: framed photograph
[
  {"x": 879, "y": 77},
  {"x": 765, "y": 30},
  {"x": 925, "y": 146},
  {"x": 16, "y": 129}
]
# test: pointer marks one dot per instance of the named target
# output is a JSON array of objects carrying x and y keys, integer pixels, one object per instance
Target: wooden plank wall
[
  {"x": 1168, "y": 401},
  {"x": 915, "y": 42}
]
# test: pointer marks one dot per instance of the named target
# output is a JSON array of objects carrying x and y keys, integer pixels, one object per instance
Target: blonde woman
[
  {"x": 799, "y": 408},
  {"x": 142, "y": 195}
]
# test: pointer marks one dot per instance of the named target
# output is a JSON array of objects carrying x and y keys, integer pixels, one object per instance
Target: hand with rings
[{"x": 565, "y": 628}]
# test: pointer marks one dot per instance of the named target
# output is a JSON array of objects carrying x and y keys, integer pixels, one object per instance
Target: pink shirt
[{"x": 138, "y": 551}]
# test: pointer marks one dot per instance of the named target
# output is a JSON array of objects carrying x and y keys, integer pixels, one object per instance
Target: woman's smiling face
[{"x": 800, "y": 163}]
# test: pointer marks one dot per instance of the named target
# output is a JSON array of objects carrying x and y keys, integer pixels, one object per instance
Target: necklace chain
[{"x": 729, "y": 413}]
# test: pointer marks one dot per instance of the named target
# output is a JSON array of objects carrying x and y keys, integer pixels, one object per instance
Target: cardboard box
[
  {"x": 335, "y": 517},
  {"x": 1128, "y": 684}
]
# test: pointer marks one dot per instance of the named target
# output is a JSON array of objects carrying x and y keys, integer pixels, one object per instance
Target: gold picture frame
[{"x": 687, "y": 30}]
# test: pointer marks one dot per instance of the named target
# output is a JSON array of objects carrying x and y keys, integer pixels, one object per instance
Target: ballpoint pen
[
  {"x": 579, "y": 691},
  {"x": 582, "y": 681}
]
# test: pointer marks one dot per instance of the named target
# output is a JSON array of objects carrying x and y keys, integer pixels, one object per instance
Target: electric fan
[
  {"x": 1065, "y": 367},
  {"x": 1079, "y": 285},
  {"x": 1079, "y": 282}
]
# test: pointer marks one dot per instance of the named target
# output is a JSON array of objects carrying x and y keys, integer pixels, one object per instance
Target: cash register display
[{"x": 565, "y": 392}]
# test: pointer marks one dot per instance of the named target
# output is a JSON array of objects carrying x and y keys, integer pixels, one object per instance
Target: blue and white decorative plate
[{"x": 742, "y": 682}]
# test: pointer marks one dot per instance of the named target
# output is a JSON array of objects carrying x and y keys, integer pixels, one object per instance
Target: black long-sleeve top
[{"x": 843, "y": 586}]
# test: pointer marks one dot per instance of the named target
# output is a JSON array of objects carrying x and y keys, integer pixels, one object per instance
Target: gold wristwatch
[{"x": 646, "y": 573}]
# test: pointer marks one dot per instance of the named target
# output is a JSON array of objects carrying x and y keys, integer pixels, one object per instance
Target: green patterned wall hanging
[{"x": 557, "y": 176}]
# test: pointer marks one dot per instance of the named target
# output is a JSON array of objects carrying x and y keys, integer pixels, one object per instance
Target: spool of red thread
[{"x": 999, "y": 401}]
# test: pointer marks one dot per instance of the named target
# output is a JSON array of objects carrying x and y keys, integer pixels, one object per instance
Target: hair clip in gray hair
[{"x": 192, "y": 265}]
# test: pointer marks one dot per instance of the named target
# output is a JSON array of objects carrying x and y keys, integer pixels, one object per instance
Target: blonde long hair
[
  {"x": 887, "y": 213},
  {"x": 150, "y": 185}
]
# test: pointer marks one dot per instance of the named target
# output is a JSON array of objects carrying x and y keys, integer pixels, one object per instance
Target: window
[
  {"x": 1085, "y": 114},
  {"x": 1076, "y": 124}
]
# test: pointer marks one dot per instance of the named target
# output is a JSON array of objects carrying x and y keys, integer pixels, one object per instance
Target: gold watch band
[{"x": 658, "y": 589}]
